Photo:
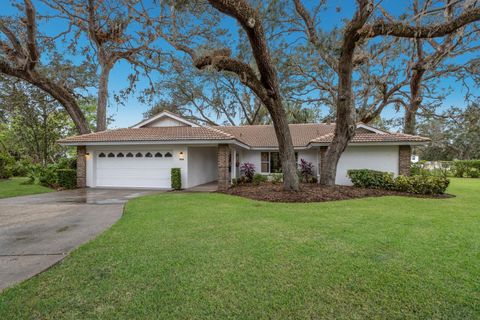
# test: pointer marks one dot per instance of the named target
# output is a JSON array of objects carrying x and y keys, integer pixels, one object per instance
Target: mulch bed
[{"x": 315, "y": 193}]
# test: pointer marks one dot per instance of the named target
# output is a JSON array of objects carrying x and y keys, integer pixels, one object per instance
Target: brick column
[
  {"x": 81, "y": 167},
  {"x": 404, "y": 158},
  {"x": 223, "y": 153}
]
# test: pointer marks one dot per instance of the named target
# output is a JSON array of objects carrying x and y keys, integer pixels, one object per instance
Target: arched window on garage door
[{"x": 139, "y": 155}]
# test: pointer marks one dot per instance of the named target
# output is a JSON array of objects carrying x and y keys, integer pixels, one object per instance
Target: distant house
[{"x": 142, "y": 156}]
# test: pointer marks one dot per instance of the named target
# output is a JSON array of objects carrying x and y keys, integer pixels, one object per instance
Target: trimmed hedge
[
  {"x": 418, "y": 184},
  {"x": 259, "y": 178},
  {"x": 365, "y": 178},
  {"x": 176, "y": 177},
  {"x": 466, "y": 168},
  {"x": 67, "y": 178}
]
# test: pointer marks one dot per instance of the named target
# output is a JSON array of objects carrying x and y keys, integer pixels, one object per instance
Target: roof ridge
[{"x": 220, "y": 131}]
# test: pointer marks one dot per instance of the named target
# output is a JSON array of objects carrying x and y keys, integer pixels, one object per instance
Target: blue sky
[{"x": 132, "y": 110}]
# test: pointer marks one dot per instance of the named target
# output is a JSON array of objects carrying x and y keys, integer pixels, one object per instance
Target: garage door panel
[{"x": 133, "y": 171}]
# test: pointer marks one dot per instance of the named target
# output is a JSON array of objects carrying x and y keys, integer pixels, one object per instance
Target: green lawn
[
  {"x": 15, "y": 187},
  {"x": 198, "y": 256}
]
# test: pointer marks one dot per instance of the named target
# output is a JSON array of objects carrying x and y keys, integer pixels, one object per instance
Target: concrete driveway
[{"x": 39, "y": 230}]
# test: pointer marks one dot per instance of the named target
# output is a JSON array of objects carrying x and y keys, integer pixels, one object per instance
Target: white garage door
[{"x": 141, "y": 169}]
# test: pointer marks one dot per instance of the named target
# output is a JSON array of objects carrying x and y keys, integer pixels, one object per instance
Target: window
[
  {"x": 148, "y": 155},
  {"x": 139, "y": 155},
  {"x": 271, "y": 163},
  {"x": 120, "y": 155},
  {"x": 265, "y": 162},
  {"x": 168, "y": 155},
  {"x": 158, "y": 155},
  {"x": 111, "y": 155},
  {"x": 101, "y": 155},
  {"x": 275, "y": 163},
  {"x": 129, "y": 155}
]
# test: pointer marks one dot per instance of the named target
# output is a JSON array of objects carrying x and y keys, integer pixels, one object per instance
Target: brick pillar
[
  {"x": 81, "y": 167},
  {"x": 404, "y": 158},
  {"x": 223, "y": 153}
]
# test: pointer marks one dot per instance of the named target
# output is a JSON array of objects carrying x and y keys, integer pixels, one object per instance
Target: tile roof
[
  {"x": 151, "y": 134},
  {"x": 264, "y": 135},
  {"x": 363, "y": 137},
  {"x": 256, "y": 136}
]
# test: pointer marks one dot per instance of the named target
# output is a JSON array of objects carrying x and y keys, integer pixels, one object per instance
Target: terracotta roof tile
[
  {"x": 256, "y": 136},
  {"x": 151, "y": 134},
  {"x": 363, "y": 137},
  {"x": 264, "y": 135}
]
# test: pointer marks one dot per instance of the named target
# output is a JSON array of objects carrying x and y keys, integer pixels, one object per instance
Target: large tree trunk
[
  {"x": 285, "y": 147},
  {"x": 346, "y": 114},
  {"x": 103, "y": 99},
  {"x": 267, "y": 87},
  {"x": 345, "y": 122},
  {"x": 415, "y": 100}
]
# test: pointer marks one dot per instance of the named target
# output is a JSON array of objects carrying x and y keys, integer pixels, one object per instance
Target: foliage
[
  {"x": 259, "y": 178},
  {"x": 247, "y": 170},
  {"x": 176, "y": 177},
  {"x": 276, "y": 178},
  {"x": 466, "y": 168},
  {"x": 420, "y": 184},
  {"x": 305, "y": 171},
  {"x": 66, "y": 178},
  {"x": 61, "y": 174},
  {"x": 440, "y": 169},
  {"x": 6, "y": 163},
  {"x": 456, "y": 135},
  {"x": 21, "y": 167},
  {"x": 365, "y": 178}
]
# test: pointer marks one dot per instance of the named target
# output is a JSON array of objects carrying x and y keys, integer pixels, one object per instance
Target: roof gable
[{"x": 165, "y": 119}]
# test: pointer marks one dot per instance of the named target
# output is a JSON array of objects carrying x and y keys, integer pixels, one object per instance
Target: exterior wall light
[
  {"x": 181, "y": 156},
  {"x": 87, "y": 155}
]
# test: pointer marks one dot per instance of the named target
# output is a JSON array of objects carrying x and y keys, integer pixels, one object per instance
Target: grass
[
  {"x": 214, "y": 256},
  {"x": 16, "y": 187}
]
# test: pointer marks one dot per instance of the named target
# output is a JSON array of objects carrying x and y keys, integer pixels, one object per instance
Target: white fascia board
[{"x": 165, "y": 114}]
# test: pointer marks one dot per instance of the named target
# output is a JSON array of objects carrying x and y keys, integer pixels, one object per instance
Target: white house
[{"x": 142, "y": 156}]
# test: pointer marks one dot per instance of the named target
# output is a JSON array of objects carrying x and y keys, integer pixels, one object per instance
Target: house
[{"x": 142, "y": 156}]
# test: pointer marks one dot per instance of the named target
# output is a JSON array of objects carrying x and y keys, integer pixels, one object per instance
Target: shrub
[
  {"x": 462, "y": 168},
  {"x": 6, "y": 163},
  {"x": 21, "y": 168},
  {"x": 176, "y": 177},
  {"x": 305, "y": 169},
  {"x": 67, "y": 178},
  {"x": 473, "y": 173},
  {"x": 419, "y": 184},
  {"x": 67, "y": 163},
  {"x": 422, "y": 184},
  {"x": 366, "y": 178},
  {"x": 259, "y": 178},
  {"x": 276, "y": 178},
  {"x": 247, "y": 170}
]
